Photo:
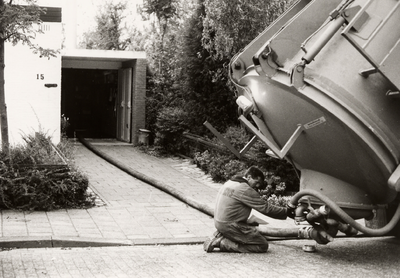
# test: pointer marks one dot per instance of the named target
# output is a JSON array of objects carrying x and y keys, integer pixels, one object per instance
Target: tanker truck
[{"x": 320, "y": 87}]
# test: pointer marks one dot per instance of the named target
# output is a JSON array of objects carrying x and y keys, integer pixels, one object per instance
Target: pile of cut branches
[{"x": 29, "y": 179}]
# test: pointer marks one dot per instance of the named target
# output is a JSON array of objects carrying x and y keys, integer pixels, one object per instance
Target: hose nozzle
[
  {"x": 314, "y": 214},
  {"x": 300, "y": 213}
]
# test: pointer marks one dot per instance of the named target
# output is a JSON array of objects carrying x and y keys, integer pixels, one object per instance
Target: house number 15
[{"x": 40, "y": 76}]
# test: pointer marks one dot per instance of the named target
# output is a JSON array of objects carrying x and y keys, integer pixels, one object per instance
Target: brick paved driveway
[{"x": 343, "y": 258}]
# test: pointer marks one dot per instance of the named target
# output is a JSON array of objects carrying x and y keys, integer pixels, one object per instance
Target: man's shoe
[
  {"x": 212, "y": 242},
  {"x": 208, "y": 245}
]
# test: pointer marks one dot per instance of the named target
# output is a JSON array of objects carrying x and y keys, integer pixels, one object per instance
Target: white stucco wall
[{"x": 30, "y": 105}]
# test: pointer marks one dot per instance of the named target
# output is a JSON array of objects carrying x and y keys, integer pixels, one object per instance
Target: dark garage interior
[{"x": 88, "y": 100}]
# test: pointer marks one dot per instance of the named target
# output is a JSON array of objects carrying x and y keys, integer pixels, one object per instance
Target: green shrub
[
  {"x": 280, "y": 201},
  {"x": 43, "y": 188},
  {"x": 216, "y": 167},
  {"x": 223, "y": 165},
  {"x": 237, "y": 136},
  {"x": 33, "y": 176},
  {"x": 220, "y": 167},
  {"x": 233, "y": 167},
  {"x": 169, "y": 128},
  {"x": 36, "y": 150},
  {"x": 203, "y": 159}
]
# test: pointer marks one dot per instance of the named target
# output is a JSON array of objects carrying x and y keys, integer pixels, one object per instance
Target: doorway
[
  {"x": 125, "y": 104},
  {"x": 103, "y": 93},
  {"x": 97, "y": 103}
]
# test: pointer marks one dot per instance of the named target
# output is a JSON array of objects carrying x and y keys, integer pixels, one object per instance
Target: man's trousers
[{"x": 241, "y": 237}]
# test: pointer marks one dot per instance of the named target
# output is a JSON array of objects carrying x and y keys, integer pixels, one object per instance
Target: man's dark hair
[{"x": 254, "y": 172}]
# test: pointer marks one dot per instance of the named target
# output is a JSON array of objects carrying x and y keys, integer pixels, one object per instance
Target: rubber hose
[
  {"x": 162, "y": 186},
  {"x": 345, "y": 217}
]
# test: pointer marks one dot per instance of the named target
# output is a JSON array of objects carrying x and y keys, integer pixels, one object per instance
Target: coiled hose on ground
[{"x": 160, "y": 185}]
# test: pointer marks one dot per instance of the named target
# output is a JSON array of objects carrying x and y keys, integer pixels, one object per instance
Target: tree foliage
[
  {"x": 164, "y": 52},
  {"x": 206, "y": 98},
  {"x": 138, "y": 38},
  {"x": 19, "y": 24},
  {"x": 189, "y": 63},
  {"x": 109, "y": 31},
  {"x": 162, "y": 9},
  {"x": 166, "y": 13},
  {"x": 229, "y": 25}
]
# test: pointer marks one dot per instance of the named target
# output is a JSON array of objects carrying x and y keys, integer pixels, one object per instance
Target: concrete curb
[
  {"x": 55, "y": 241},
  {"x": 25, "y": 242},
  {"x": 170, "y": 241},
  {"x": 80, "y": 242}
]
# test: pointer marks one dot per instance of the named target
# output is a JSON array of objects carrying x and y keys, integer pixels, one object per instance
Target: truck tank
[{"x": 321, "y": 88}]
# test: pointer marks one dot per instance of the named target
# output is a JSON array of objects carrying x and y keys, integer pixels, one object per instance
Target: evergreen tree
[
  {"x": 206, "y": 98},
  {"x": 109, "y": 31}
]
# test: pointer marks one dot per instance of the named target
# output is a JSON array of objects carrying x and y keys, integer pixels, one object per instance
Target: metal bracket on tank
[
  {"x": 240, "y": 153},
  {"x": 394, "y": 179},
  {"x": 281, "y": 153},
  {"x": 263, "y": 135},
  {"x": 297, "y": 75}
]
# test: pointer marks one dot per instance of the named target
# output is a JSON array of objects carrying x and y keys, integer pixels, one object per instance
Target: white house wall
[{"x": 32, "y": 106}]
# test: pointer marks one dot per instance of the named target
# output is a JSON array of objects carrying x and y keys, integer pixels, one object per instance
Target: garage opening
[
  {"x": 89, "y": 99},
  {"x": 103, "y": 93}
]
